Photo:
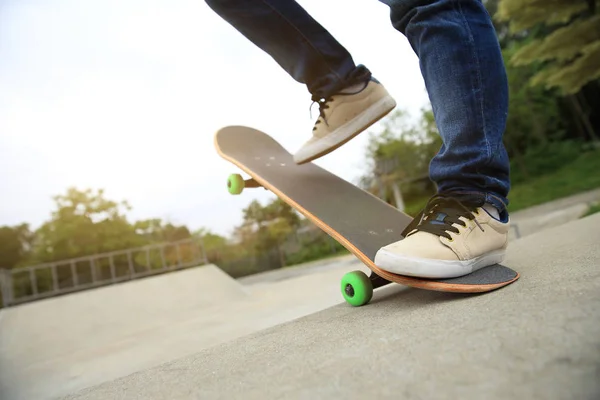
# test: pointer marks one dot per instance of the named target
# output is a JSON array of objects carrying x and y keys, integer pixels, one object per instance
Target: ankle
[
  {"x": 495, "y": 213},
  {"x": 492, "y": 211}
]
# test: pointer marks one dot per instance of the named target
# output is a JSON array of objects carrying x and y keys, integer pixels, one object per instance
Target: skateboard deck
[{"x": 358, "y": 220}]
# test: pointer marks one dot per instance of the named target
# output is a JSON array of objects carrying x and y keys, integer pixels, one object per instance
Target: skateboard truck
[{"x": 236, "y": 183}]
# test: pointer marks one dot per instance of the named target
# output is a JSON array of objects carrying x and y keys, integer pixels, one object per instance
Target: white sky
[{"x": 126, "y": 95}]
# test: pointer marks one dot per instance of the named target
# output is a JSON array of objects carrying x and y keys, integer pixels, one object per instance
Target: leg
[
  {"x": 298, "y": 43},
  {"x": 308, "y": 52},
  {"x": 465, "y": 227},
  {"x": 464, "y": 73}
]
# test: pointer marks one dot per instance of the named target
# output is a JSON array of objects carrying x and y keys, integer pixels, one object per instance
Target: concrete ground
[
  {"x": 538, "y": 338},
  {"x": 54, "y": 346},
  {"x": 60, "y": 346},
  {"x": 585, "y": 198},
  {"x": 551, "y": 214}
]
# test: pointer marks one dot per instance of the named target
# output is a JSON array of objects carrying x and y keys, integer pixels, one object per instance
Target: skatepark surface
[
  {"x": 57, "y": 346},
  {"x": 288, "y": 334},
  {"x": 538, "y": 338}
]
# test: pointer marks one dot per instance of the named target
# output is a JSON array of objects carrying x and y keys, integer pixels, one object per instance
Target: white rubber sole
[
  {"x": 345, "y": 132},
  {"x": 437, "y": 269}
]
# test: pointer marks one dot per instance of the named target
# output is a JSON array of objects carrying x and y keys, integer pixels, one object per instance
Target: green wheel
[
  {"x": 235, "y": 184},
  {"x": 357, "y": 288}
]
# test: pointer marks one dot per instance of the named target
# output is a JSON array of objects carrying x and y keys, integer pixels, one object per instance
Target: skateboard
[{"x": 358, "y": 220}]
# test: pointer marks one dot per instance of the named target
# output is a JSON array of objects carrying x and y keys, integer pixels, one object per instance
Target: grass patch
[
  {"x": 592, "y": 210},
  {"x": 579, "y": 176}
]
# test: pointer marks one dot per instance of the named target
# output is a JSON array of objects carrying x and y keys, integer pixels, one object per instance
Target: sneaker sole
[
  {"x": 351, "y": 129},
  {"x": 434, "y": 269}
]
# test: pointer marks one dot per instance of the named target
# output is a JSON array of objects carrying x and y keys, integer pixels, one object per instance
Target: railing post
[
  {"x": 74, "y": 274},
  {"x": 397, "y": 196},
  {"x": 93, "y": 270},
  {"x": 6, "y": 283},
  {"x": 33, "y": 281},
  {"x": 113, "y": 274},
  {"x": 55, "y": 287},
  {"x": 204, "y": 255},
  {"x": 178, "y": 254},
  {"x": 162, "y": 257},
  {"x": 130, "y": 264}
]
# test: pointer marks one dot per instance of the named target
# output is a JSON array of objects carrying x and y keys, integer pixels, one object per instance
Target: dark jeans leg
[
  {"x": 298, "y": 43},
  {"x": 464, "y": 73}
]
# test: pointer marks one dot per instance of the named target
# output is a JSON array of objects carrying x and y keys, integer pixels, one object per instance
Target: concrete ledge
[{"x": 536, "y": 339}]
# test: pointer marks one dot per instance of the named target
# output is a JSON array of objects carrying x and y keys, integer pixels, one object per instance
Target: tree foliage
[
  {"x": 403, "y": 147},
  {"x": 534, "y": 117},
  {"x": 563, "y": 40},
  {"x": 156, "y": 230},
  {"x": 265, "y": 228},
  {"x": 15, "y": 244},
  {"x": 84, "y": 222}
]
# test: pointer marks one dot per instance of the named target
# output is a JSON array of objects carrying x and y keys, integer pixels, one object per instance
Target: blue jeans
[{"x": 459, "y": 57}]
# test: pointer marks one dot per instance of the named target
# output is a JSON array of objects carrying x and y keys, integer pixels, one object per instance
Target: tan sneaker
[
  {"x": 345, "y": 115},
  {"x": 449, "y": 238}
]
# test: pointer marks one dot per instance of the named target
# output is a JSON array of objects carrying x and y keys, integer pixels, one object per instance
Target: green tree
[
  {"x": 265, "y": 228},
  {"x": 552, "y": 56},
  {"x": 401, "y": 150},
  {"x": 217, "y": 247},
  {"x": 157, "y": 231},
  {"x": 534, "y": 118},
  {"x": 85, "y": 223},
  {"x": 15, "y": 245},
  {"x": 568, "y": 51},
  {"x": 404, "y": 147}
]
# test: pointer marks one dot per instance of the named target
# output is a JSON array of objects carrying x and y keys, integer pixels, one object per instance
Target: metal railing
[{"x": 21, "y": 285}]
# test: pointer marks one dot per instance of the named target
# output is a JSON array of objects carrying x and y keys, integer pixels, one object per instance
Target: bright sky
[{"x": 126, "y": 95}]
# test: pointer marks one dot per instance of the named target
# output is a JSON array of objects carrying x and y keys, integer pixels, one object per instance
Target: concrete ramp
[
  {"x": 102, "y": 346},
  {"x": 536, "y": 339},
  {"x": 87, "y": 337}
]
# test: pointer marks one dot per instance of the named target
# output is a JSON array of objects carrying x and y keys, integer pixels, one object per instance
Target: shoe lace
[
  {"x": 444, "y": 210},
  {"x": 323, "y": 105}
]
